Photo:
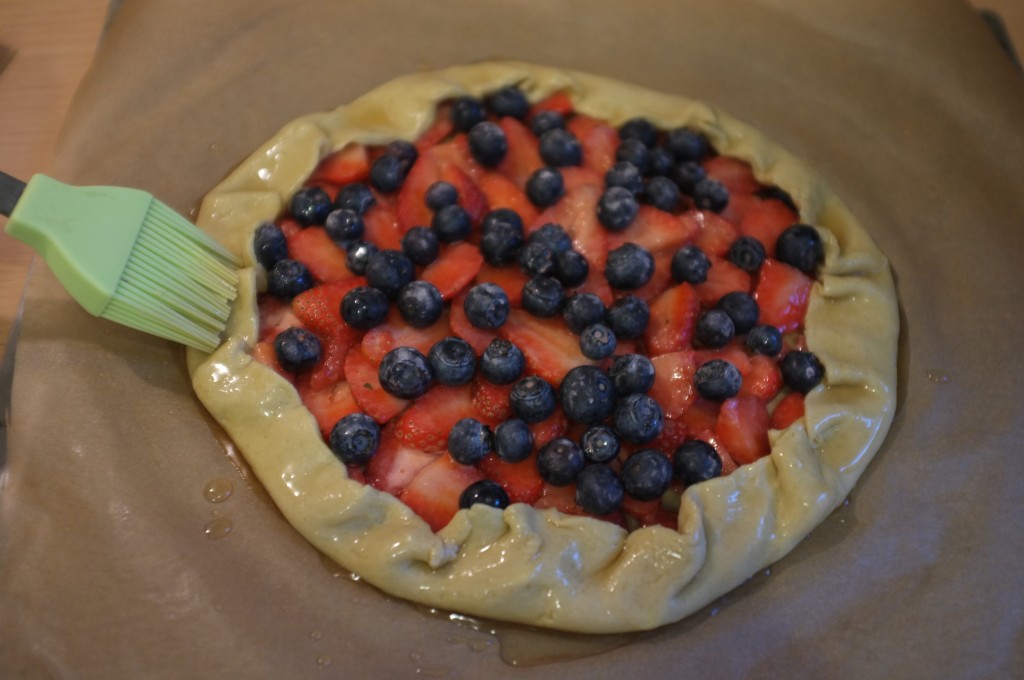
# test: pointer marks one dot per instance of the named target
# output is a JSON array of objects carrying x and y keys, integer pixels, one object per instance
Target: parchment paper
[{"x": 114, "y": 563}]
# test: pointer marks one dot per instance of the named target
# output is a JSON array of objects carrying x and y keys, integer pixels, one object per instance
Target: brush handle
[{"x": 10, "y": 191}]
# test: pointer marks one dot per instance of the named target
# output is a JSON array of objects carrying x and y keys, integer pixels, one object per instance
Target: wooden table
[{"x": 53, "y": 43}]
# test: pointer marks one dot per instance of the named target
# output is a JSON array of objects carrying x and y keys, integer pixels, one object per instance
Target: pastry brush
[{"x": 125, "y": 256}]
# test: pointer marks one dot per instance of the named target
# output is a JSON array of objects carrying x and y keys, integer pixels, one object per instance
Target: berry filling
[{"x": 527, "y": 305}]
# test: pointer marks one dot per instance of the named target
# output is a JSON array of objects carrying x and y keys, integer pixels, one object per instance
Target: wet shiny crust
[{"x": 546, "y": 568}]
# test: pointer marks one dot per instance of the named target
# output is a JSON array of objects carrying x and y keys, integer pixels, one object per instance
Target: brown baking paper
[{"x": 115, "y": 561}]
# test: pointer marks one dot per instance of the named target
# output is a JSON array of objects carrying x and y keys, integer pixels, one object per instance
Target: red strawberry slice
[
  {"x": 743, "y": 426},
  {"x": 673, "y": 382},
  {"x": 739, "y": 205},
  {"x": 766, "y": 220},
  {"x": 427, "y": 422},
  {"x": 439, "y": 130},
  {"x": 501, "y": 192},
  {"x": 723, "y": 277},
  {"x": 380, "y": 224},
  {"x": 264, "y": 353},
  {"x": 275, "y": 316},
  {"x": 523, "y": 155},
  {"x": 658, "y": 231},
  {"x": 735, "y": 174},
  {"x": 563, "y": 499},
  {"x": 728, "y": 463},
  {"x": 715, "y": 234},
  {"x": 471, "y": 197},
  {"x": 351, "y": 164},
  {"x": 558, "y": 102},
  {"x": 454, "y": 268},
  {"x": 314, "y": 248},
  {"x": 491, "y": 401},
  {"x": 477, "y": 338},
  {"x": 394, "y": 332},
  {"x": 764, "y": 379},
  {"x": 638, "y": 509},
  {"x": 674, "y": 316},
  {"x": 362, "y": 378},
  {"x": 789, "y": 410},
  {"x": 673, "y": 433},
  {"x": 659, "y": 282},
  {"x": 701, "y": 416},
  {"x": 434, "y": 492},
  {"x": 734, "y": 353},
  {"x": 443, "y": 162},
  {"x": 328, "y": 405},
  {"x": 576, "y": 176},
  {"x": 331, "y": 367},
  {"x": 319, "y": 308},
  {"x": 550, "y": 347},
  {"x": 599, "y": 142},
  {"x": 577, "y": 213},
  {"x": 555, "y": 426},
  {"x": 511, "y": 279},
  {"x": 395, "y": 464},
  {"x": 521, "y": 481},
  {"x": 782, "y": 294}
]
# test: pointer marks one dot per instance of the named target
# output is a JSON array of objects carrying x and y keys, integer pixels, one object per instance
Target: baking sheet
[{"x": 115, "y": 561}]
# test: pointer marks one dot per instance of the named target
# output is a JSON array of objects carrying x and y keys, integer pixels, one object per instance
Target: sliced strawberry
[
  {"x": 562, "y": 498},
  {"x": 701, "y": 416},
  {"x": 673, "y": 433},
  {"x": 550, "y": 347},
  {"x": 782, "y": 294},
  {"x": 599, "y": 141},
  {"x": 555, "y": 426},
  {"x": 577, "y": 213},
  {"x": 511, "y": 279},
  {"x": 325, "y": 260},
  {"x": 439, "y": 130},
  {"x": 764, "y": 379},
  {"x": 738, "y": 206},
  {"x": 351, "y": 164},
  {"x": 454, "y": 268},
  {"x": 264, "y": 353},
  {"x": 328, "y": 405},
  {"x": 558, "y": 102},
  {"x": 734, "y": 353},
  {"x": 728, "y": 463},
  {"x": 501, "y": 192},
  {"x": 427, "y": 422},
  {"x": 715, "y": 235},
  {"x": 478, "y": 338},
  {"x": 658, "y": 231},
  {"x": 394, "y": 332},
  {"x": 521, "y": 481},
  {"x": 765, "y": 220},
  {"x": 639, "y": 509},
  {"x": 659, "y": 282},
  {"x": 331, "y": 367},
  {"x": 723, "y": 277},
  {"x": 789, "y": 410},
  {"x": 674, "y": 316},
  {"x": 434, "y": 492},
  {"x": 471, "y": 197},
  {"x": 576, "y": 176},
  {"x": 444, "y": 162},
  {"x": 491, "y": 401},
  {"x": 735, "y": 174},
  {"x": 381, "y": 226},
  {"x": 395, "y": 464},
  {"x": 523, "y": 155},
  {"x": 362, "y": 377},
  {"x": 319, "y": 308},
  {"x": 673, "y": 382},
  {"x": 743, "y": 424},
  {"x": 275, "y": 316}
]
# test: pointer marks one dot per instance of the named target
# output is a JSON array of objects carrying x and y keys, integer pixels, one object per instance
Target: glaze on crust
[{"x": 542, "y": 567}]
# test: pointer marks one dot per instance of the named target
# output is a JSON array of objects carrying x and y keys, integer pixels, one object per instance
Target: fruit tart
[{"x": 540, "y": 346}]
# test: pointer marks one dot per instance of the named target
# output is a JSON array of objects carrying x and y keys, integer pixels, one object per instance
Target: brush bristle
[{"x": 178, "y": 284}]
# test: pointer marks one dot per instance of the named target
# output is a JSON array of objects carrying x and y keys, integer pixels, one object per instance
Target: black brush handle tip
[{"x": 10, "y": 192}]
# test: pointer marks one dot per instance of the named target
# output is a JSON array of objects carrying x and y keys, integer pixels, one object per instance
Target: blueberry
[
  {"x": 587, "y": 395},
  {"x": 486, "y": 306},
  {"x": 405, "y": 152},
  {"x": 663, "y": 193},
  {"x": 599, "y": 490},
  {"x": 344, "y": 226},
  {"x": 296, "y": 349},
  {"x": 439, "y": 194},
  {"x": 355, "y": 438},
  {"x": 639, "y": 129},
  {"x": 597, "y": 341},
  {"x": 571, "y": 268},
  {"x": 638, "y": 418},
  {"x": 617, "y": 208},
  {"x": 629, "y": 266},
  {"x": 747, "y": 253},
  {"x": 532, "y": 399},
  {"x": 774, "y": 193},
  {"x": 505, "y": 216},
  {"x": 718, "y": 380},
  {"x": 559, "y": 148},
  {"x": 502, "y": 362},
  {"x": 513, "y": 440},
  {"x": 420, "y": 303},
  {"x": 660, "y": 163},
  {"x": 452, "y": 360},
  {"x": 765, "y": 339},
  {"x": 800, "y": 246},
  {"x": 582, "y": 310},
  {"x": 452, "y": 223},
  {"x": 469, "y": 441},
  {"x": 364, "y": 307},
  {"x": 310, "y": 206},
  {"x": 358, "y": 256},
  {"x": 715, "y": 329},
  {"x": 628, "y": 317},
  {"x": 537, "y": 259},
  {"x": 552, "y": 235},
  {"x": 685, "y": 144},
  {"x": 543, "y": 296},
  {"x": 485, "y": 492},
  {"x": 632, "y": 374},
  {"x": 710, "y": 194},
  {"x": 634, "y": 152},
  {"x": 696, "y": 461},
  {"x": 690, "y": 265},
  {"x": 487, "y": 143},
  {"x": 742, "y": 308},
  {"x": 508, "y": 101},
  {"x": 356, "y": 197},
  {"x": 545, "y": 121},
  {"x": 269, "y": 245},
  {"x": 500, "y": 245},
  {"x": 421, "y": 245},
  {"x": 626, "y": 175},
  {"x": 467, "y": 112},
  {"x": 647, "y": 474},
  {"x": 287, "y": 278},
  {"x": 387, "y": 174},
  {"x": 600, "y": 444},
  {"x": 545, "y": 186},
  {"x": 687, "y": 175},
  {"x": 801, "y": 371},
  {"x": 405, "y": 373},
  {"x": 560, "y": 461},
  {"x": 388, "y": 271}
]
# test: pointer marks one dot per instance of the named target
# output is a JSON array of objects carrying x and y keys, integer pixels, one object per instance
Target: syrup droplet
[
  {"x": 218, "y": 490},
  {"x": 218, "y": 528},
  {"x": 938, "y": 377}
]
